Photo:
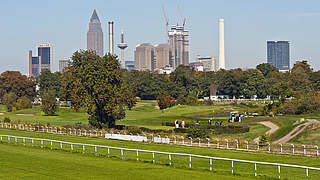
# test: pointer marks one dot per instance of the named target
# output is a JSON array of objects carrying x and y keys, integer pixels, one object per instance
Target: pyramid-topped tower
[{"x": 95, "y": 35}]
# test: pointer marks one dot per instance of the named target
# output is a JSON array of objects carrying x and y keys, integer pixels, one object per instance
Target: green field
[{"x": 199, "y": 166}]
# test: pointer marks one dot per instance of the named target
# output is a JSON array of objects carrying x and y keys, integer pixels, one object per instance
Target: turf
[{"x": 220, "y": 167}]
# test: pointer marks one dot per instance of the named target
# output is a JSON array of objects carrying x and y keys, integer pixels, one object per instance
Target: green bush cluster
[{"x": 14, "y": 103}]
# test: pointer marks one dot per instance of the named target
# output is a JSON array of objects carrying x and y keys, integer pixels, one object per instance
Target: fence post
[
  {"x": 96, "y": 150},
  {"x": 175, "y": 139},
  {"x": 1, "y": 139},
  {"x": 8, "y": 139},
  {"x": 255, "y": 169},
  {"x": 71, "y": 147},
  {"x": 137, "y": 155},
  {"x": 208, "y": 142},
  {"x": 247, "y": 145},
  {"x": 210, "y": 164},
  {"x": 307, "y": 172},
  {"x": 232, "y": 166},
  {"x": 292, "y": 149},
  {"x": 227, "y": 143},
  {"x": 280, "y": 148},
  {"x": 237, "y": 144},
  {"x": 61, "y": 145},
  {"x": 121, "y": 153},
  {"x": 108, "y": 152},
  {"x": 190, "y": 141},
  {"x": 32, "y": 142},
  {"x": 15, "y": 138},
  {"x": 24, "y": 141},
  {"x": 190, "y": 162},
  {"x": 269, "y": 147},
  {"x": 41, "y": 143},
  {"x": 83, "y": 149},
  {"x": 304, "y": 149},
  {"x": 317, "y": 150},
  {"x": 182, "y": 140},
  {"x": 217, "y": 143},
  {"x": 279, "y": 171},
  {"x": 258, "y": 148},
  {"x": 170, "y": 159},
  {"x": 51, "y": 145},
  {"x": 199, "y": 142},
  {"x": 152, "y": 157}
]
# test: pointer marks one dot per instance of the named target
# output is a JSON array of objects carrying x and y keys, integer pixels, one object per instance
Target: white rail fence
[
  {"x": 65, "y": 145},
  {"x": 218, "y": 143}
]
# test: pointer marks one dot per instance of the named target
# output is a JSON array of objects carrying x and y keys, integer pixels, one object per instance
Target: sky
[{"x": 248, "y": 25}]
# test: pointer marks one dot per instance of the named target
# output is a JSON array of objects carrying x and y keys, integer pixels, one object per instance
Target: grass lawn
[
  {"x": 181, "y": 163},
  {"x": 17, "y": 162}
]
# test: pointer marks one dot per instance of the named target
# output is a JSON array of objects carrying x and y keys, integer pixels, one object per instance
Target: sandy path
[
  {"x": 269, "y": 124},
  {"x": 294, "y": 132}
]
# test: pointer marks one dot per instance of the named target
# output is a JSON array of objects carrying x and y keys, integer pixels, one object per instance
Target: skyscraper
[
  {"x": 179, "y": 45},
  {"x": 144, "y": 57},
  {"x": 42, "y": 61},
  {"x": 95, "y": 35},
  {"x": 162, "y": 55},
  {"x": 278, "y": 54}
]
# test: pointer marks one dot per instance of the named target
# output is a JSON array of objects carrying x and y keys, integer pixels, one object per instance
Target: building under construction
[{"x": 179, "y": 46}]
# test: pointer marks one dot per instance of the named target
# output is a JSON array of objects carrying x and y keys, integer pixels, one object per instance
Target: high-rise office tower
[
  {"x": 179, "y": 45},
  {"x": 42, "y": 61},
  {"x": 278, "y": 54},
  {"x": 95, "y": 35},
  {"x": 144, "y": 57},
  {"x": 222, "y": 64},
  {"x": 162, "y": 55},
  {"x": 45, "y": 56}
]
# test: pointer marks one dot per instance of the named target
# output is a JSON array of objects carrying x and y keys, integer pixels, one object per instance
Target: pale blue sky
[{"x": 248, "y": 25}]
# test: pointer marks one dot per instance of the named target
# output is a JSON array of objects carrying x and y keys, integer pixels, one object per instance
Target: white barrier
[
  {"x": 255, "y": 163},
  {"x": 161, "y": 140},
  {"x": 126, "y": 137}
]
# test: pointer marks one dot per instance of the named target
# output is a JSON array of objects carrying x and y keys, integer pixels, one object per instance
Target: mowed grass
[
  {"x": 18, "y": 162},
  {"x": 178, "y": 162}
]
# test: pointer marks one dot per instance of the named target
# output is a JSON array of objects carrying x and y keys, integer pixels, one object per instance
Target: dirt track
[
  {"x": 294, "y": 132},
  {"x": 272, "y": 126}
]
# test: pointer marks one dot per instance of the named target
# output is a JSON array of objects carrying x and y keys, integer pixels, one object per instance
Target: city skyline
[{"x": 246, "y": 31}]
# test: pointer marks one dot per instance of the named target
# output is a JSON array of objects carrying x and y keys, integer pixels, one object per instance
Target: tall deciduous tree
[
  {"x": 102, "y": 90},
  {"x": 49, "y": 81},
  {"x": 15, "y": 82},
  {"x": 10, "y": 101},
  {"x": 49, "y": 103}
]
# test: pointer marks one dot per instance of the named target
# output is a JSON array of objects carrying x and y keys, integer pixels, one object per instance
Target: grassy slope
[
  {"x": 18, "y": 162},
  {"x": 179, "y": 162}
]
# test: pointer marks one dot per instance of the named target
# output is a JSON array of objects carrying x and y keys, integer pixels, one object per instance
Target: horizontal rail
[{"x": 167, "y": 153}]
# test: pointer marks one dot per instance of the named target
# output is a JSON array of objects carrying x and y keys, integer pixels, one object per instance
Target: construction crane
[
  {"x": 183, "y": 41},
  {"x": 167, "y": 23}
]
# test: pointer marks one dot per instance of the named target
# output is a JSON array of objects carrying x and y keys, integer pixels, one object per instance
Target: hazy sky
[{"x": 248, "y": 25}]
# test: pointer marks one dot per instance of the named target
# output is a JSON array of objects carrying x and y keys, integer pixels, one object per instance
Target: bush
[
  {"x": 6, "y": 120},
  {"x": 199, "y": 132},
  {"x": 24, "y": 103},
  {"x": 49, "y": 103},
  {"x": 165, "y": 101},
  {"x": 133, "y": 129},
  {"x": 264, "y": 139},
  {"x": 10, "y": 101}
]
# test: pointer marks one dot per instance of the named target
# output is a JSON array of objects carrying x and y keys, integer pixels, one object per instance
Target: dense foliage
[
  {"x": 165, "y": 101},
  {"x": 49, "y": 81},
  {"x": 96, "y": 83},
  {"x": 49, "y": 103}
]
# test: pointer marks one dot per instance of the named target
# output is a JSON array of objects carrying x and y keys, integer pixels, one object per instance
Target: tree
[
  {"x": 185, "y": 80},
  {"x": 24, "y": 103},
  {"x": 49, "y": 103},
  {"x": 102, "y": 91},
  {"x": 266, "y": 69},
  {"x": 10, "y": 101},
  {"x": 49, "y": 81},
  {"x": 20, "y": 85},
  {"x": 165, "y": 101}
]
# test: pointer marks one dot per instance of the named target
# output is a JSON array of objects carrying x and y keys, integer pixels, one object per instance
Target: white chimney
[
  {"x": 111, "y": 44},
  {"x": 221, "y": 45}
]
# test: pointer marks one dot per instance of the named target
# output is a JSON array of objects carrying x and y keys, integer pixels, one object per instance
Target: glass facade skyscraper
[
  {"x": 278, "y": 54},
  {"x": 42, "y": 61}
]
